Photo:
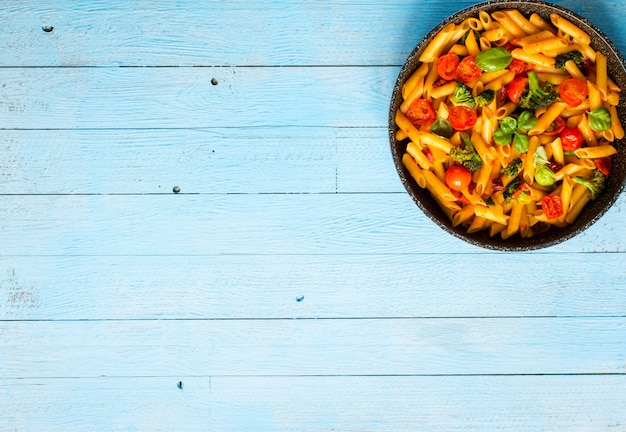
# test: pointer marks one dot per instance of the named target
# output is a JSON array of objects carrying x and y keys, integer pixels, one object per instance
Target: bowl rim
[{"x": 519, "y": 244}]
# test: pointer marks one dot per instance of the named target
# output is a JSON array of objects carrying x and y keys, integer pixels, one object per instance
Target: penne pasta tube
[
  {"x": 436, "y": 45},
  {"x": 437, "y": 187},
  {"x": 415, "y": 77},
  {"x": 418, "y": 155},
  {"x": 434, "y": 141},
  {"x": 458, "y": 49},
  {"x": 415, "y": 171},
  {"x": 601, "y": 73},
  {"x": 595, "y": 97},
  {"x": 595, "y": 152},
  {"x": 442, "y": 91},
  {"x": 493, "y": 213},
  {"x": 535, "y": 37},
  {"x": 556, "y": 148},
  {"x": 569, "y": 28},
  {"x": 506, "y": 22},
  {"x": 535, "y": 59},
  {"x": 540, "y": 23},
  {"x": 543, "y": 45},
  {"x": 463, "y": 215},
  {"x": 566, "y": 195},
  {"x": 478, "y": 224},
  {"x": 528, "y": 169},
  {"x": 521, "y": 21},
  {"x": 401, "y": 135},
  {"x": 574, "y": 71},
  {"x": 407, "y": 127},
  {"x": 501, "y": 81},
  {"x": 481, "y": 148},
  {"x": 616, "y": 124},
  {"x": 545, "y": 120}
]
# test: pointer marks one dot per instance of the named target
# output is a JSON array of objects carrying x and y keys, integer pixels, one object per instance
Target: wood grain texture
[
  {"x": 204, "y": 160},
  {"x": 309, "y": 286},
  {"x": 70, "y": 98},
  {"x": 292, "y": 284},
  {"x": 268, "y": 404},
  {"x": 269, "y": 32},
  {"x": 426, "y": 346},
  {"x": 243, "y": 224}
]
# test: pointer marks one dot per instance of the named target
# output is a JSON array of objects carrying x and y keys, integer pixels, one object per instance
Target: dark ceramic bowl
[{"x": 594, "y": 209}]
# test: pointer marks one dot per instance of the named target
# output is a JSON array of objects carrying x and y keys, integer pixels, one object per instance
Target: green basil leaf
[
  {"x": 508, "y": 125},
  {"x": 494, "y": 59},
  {"x": 521, "y": 142},
  {"x": 545, "y": 176},
  {"x": 441, "y": 127},
  {"x": 527, "y": 120},
  {"x": 540, "y": 157},
  {"x": 501, "y": 137},
  {"x": 599, "y": 119}
]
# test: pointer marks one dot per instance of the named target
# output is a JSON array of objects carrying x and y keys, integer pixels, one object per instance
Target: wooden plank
[
  {"x": 243, "y": 224},
  {"x": 446, "y": 346},
  {"x": 220, "y": 160},
  {"x": 105, "y": 33},
  {"x": 258, "y": 404},
  {"x": 108, "y": 33},
  {"x": 68, "y": 98},
  {"x": 311, "y": 286}
]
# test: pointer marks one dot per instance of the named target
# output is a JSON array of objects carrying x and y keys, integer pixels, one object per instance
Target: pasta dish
[{"x": 510, "y": 122}]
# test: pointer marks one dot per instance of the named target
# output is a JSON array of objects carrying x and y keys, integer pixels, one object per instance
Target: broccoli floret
[
  {"x": 511, "y": 188},
  {"x": 535, "y": 96},
  {"x": 595, "y": 184},
  {"x": 466, "y": 155},
  {"x": 485, "y": 98},
  {"x": 462, "y": 96},
  {"x": 575, "y": 56},
  {"x": 513, "y": 169}
]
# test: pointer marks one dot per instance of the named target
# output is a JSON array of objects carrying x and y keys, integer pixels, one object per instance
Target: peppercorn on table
[{"x": 202, "y": 229}]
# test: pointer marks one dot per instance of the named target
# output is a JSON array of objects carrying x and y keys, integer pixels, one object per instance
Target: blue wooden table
[{"x": 201, "y": 229}]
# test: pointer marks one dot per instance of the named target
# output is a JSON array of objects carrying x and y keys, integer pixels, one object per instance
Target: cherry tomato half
[
  {"x": 516, "y": 88},
  {"x": 447, "y": 64},
  {"x": 555, "y": 127},
  {"x": 467, "y": 70},
  {"x": 458, "y": 177},
  {"x": 573, "y": 91},
  {"x": 517, "y": 66},
  {"x": 571, "y": 138},
  {"x": 420, "y": 112},
  {"x": 462, "y": 118},
  {"x": 552, "y": 206},
  {"x": 604, "y": 164}
]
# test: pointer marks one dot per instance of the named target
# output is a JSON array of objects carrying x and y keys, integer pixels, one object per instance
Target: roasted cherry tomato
[
  {"x": 458, "y": 177},
  {"x": 555, "y": 127},
  {"x": 604, "y": 165},
  {"x": 573, "y": 91},
  {"x": 467, "y": 70},
  {"x": 571, "y": 138},
  {"x": 515, "y": 88},
  {"x": 462, "y": 118},
  {"x": 420, "y": 112},
  {"x": 447, "y": 64},
  {"x": 517, "y": 66},
  {"x": 552, "y": 206}
]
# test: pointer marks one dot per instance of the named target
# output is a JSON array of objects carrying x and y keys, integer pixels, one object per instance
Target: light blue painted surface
[{"x": 291, "y": 285}]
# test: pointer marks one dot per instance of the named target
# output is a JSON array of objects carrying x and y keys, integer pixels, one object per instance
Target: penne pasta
[{"x": 512, "y": 176}]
